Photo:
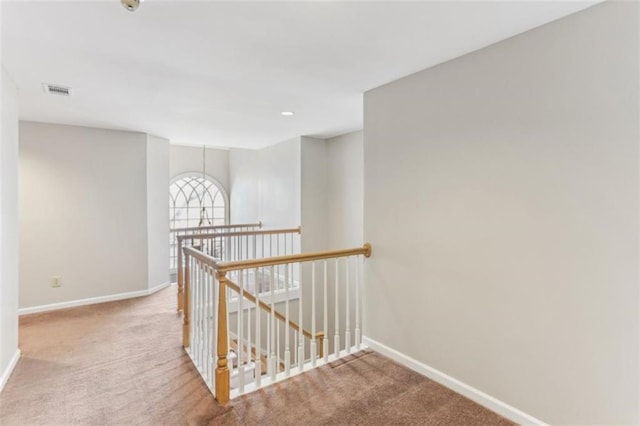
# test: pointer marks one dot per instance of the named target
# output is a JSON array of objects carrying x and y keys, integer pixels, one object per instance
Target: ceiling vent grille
[{"x": 55, "y": 89}]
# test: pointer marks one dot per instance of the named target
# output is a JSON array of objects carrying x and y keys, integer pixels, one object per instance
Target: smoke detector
[{"x": 56, "y": 89}]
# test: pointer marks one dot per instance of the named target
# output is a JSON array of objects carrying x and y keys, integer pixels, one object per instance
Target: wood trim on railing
[
  {"x": 195, "y": 228},
  {"x": 191, "y": 251},
  {"x": 297, "y": 230},
  {"x": 294, "y": 258}
]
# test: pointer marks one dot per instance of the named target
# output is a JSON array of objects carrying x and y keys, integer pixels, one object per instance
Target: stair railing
[
  {"x": 237, "y": 245},
  {"x": 194, "y": 230},
  {"x": 328, "y": 304}
]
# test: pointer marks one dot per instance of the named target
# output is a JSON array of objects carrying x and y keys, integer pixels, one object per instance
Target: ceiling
[{"x": 220, "y": 73}]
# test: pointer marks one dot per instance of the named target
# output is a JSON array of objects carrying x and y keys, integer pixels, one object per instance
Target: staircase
[{"x": 292, "y": 312}]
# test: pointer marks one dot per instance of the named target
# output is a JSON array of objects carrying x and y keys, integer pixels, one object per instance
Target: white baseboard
[
  {"x": 92, "y": 300},
  {"x": 470, "y": 392},
  {"x": 7, "y": 371}
]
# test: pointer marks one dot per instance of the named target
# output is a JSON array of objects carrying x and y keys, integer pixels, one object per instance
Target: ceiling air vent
[{"x": 54, "y": 89}]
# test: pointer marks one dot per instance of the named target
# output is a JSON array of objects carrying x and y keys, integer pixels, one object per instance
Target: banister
[
  {"x": 295, "y": 258},
  {"x": 214, "y": 267},
  {"x": 205, "y": 258},
  {"x": 297, "y": 230},
  {"x": 239, "y": 225}
]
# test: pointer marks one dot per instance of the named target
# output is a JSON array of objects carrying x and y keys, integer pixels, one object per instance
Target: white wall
[
  {"x": 185, "y": 159},
  {"x": 83, "y": 213},
  {"x": 8, "y": 227},
  {"x": 244, "y": 190},
  {"x": 345, "y": 190},
  {"x": 501, "y": 200},
  {"x": 266, "y": 185},
  {"x": 157, "y": 211},
  {"x": 313, "y": 194},
  {"x": 279, "y": 185}
]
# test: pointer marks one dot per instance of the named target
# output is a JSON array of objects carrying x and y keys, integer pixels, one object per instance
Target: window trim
[{"x": 215, "y": 181}]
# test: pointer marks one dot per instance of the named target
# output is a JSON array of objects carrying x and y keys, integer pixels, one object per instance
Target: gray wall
[
  {"x": 345, "y": 188},
  {"x": 313, "y": 194},
  {"x": 157, "y": 211},
  {"x": 83, "y": 212},
  {"x": 244, "y": 191},
  {"x": 501, "y": 199},
  {"x": 266, "y": 185},
  {"x": 8, "y": 225}
]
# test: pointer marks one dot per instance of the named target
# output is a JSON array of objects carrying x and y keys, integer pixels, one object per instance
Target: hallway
[{"x": 121, "y": 363}]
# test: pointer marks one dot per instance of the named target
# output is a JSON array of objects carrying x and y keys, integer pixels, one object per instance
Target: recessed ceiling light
[{"x": 287, "y": 113}]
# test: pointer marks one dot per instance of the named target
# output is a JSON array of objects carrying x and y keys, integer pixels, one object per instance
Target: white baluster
[
  {"x": 295, "y": 349},
  {"x": 278, "y": 359},
  {"x": 192, "y": 302},
  {"x": 200, "y": 318},
  {"x": 313, "y": 344},
  {"x": 268, "y": 353},
  {"x": 287, "y": 349},
  {"x": 198, "y": 346},
  {"x": 336, "y": 338},
  {"x": 258, "y": 351},
  {"x": 215, "y": 295},
  {"x": 210, "y": 358},
  {"x": 347, "y": 331},
  {"x": 203, "y": 301},
  {"x": 236, "y": 248},
  {"x": 228, "y": 295},
  {"x": 272, "y": 324},
  {"x": 240, "y": 336},
  {"x": 358, "y": 331},
  {"x": 300, "y": 346},
  {"x": 247, "y": 281},
  {"x": 194, "y": 311},
  {"x": 284, "y": 238},
  {"x": 262, "y": 245},
  {"x": 326, "y": 317},
  {"x": 205, "y": 320}
]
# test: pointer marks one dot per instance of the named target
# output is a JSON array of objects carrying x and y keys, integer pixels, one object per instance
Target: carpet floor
[{"x": 121, "y": 363}]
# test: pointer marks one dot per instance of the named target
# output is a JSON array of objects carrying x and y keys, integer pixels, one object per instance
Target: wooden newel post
[
  {"x": 186, "y": 324},
  {"x": 180, "y": 276},
  {"x": 223, "y": 380}
]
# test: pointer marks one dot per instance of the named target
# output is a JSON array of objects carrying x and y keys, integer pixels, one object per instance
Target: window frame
[{"x": 211, "y": 179}]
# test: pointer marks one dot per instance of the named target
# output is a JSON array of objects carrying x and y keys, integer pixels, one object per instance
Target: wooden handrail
[
  {"x": 267, "y": 308},
  {"x": 239, "y": 225},
  {"x": 257, "y": 263},
  {"x": 294, "y": 258},
  {"x": 205, "y": 258},
  {"x": 297, "y": 230}
]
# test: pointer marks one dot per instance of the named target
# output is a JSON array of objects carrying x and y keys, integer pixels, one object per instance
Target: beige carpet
[{"x": 121, "y": 363}]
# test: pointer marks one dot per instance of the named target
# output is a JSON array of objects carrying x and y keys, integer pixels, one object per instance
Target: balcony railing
[{"x": 265, "y": 341}]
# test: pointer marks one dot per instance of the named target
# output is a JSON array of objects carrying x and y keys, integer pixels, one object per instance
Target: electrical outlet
[{"x": 56, "y": 281}]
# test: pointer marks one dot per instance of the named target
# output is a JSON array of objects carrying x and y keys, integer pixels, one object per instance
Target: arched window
[{"x": 188, "y": 195}]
